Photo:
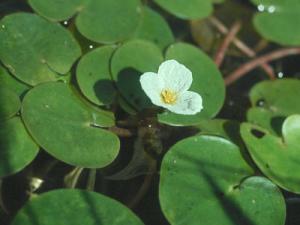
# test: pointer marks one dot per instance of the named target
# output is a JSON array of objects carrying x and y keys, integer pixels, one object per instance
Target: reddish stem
[
  {"x": 241, "y": 45},
  {"x": 122, "y": 132},
  {"x": 227, "y": 41},
  {"x": 245, "y": 68}
]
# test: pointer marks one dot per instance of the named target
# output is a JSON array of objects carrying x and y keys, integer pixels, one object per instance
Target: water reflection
[
  {"x": 280, "y": 75},
  {"x": 269, "y": 9}
]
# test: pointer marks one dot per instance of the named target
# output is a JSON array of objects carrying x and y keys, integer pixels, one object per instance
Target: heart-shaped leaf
[
  {"x": 127, "y": 65},
  {"x": 278, "y": 158},
  {"x": 204, "y": 179},
  {"x": 278, "y": 20},
  {"x": 66, "y": 128},
  {"x": 266, "y": 119},
  {"x": 155, "y": 28},
  {"x": 76, "y": 207},
  {"x": 93, "y": 76},
  {"x": 207, "y": 81},
  {"x": 104, "y": 21},
  {"x": 35, "y": 50},
  {"x": 272, "y": 102},
  {"x": 17, "y": 149}
]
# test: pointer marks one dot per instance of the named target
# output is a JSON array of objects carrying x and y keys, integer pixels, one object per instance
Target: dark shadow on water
[
  {"x": 129, "y": 85},
  {"x": 293, "y": 209},
  {"x": 105, "y": 91},
  {"x": 276, "y": 124},
  {"x": 11, "y": 6}
]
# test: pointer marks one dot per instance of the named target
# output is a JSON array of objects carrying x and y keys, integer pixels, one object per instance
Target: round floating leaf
[
  {"x": 66, "y": 129},
  {"x": 207, "y": 81},
  {"x": 93, "y": 76},
  {"x": 109, "y": 21},
  {"x": 155, "y": 28},
  {"x": 104, "y": 21},
  {"x": 17, "y": 149},
  {"x": 10, "y": 103},
  {"x": 35, "y": 50},
  {"x": 193, "y": 9},
  {"x": 205, "y": 178},
  {"x": 128, "y": 63},
  {"x": 57, "y": 10},
  {"x": 7, "y": 80},
  {"x": 278, "y": 20},
  {"x": 273, "y": 101},
  {"x": 76, "y": 207},
  {"x": 278, "y": 158}
]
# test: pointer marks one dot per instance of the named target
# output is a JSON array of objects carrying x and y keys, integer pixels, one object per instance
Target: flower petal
[
  {"x": 152, "y": 85},
  {"x": 176, "y": 76},
  {"x": 189, "y": 103}
]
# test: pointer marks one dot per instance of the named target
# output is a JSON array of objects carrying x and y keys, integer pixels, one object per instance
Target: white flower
[{"x": 169, "y": 88}]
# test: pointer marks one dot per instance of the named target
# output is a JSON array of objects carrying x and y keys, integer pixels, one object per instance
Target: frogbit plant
[
  {"x": 169, "y": 88},
  {"x": 121, "y": 112}
]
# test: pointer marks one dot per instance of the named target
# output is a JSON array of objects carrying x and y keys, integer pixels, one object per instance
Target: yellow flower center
[{"x": 168, "y": 96}]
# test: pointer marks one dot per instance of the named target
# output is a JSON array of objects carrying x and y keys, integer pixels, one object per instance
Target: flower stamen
[{"x": 169, "y": 97}]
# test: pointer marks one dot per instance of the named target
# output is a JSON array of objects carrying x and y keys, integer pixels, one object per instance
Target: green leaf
[
  {"x": 207, "y": 81},
  {"x": 273, "y": 95},
  {"x": 8, "y": 81},
  {"x": 277, "y": 157},
  {"x": 155, "y": 28},
  {"x": 272, "y": 102},
  {"x": 278, "y": 20},
  {"x": 35, "y": 50},
  {"x": 205, "y": 178},
  {"x": 193, "y": 9},
  {"x": 228, "y": 129},
  {"x": 76, "y": 207},
  {"x": 66, "y": 129},
  {"x": 103, "y": 21},
  {"x": 57, "y": 10},
  {"x": 266, "y": 119},
  {"x": 128, "y": 63},
  {"x": 101, "y": 117},
  {"x": 17, "y": 149},
  {"x": 10, "y": 103},
  {"x": 93, "y": 76}
]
